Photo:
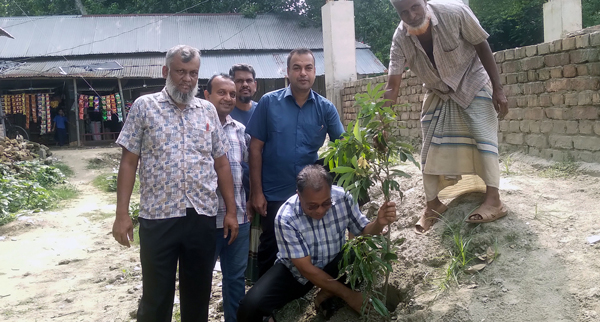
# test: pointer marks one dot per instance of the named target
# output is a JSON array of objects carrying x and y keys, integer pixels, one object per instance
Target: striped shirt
[
  {"x": 299, "y": 235},
  {"x": 177, "y": 149},
  {"x": 458, "y": 73},
  {"x": 237, "y": 154}
]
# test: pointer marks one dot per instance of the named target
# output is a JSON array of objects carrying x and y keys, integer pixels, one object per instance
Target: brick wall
[{"x": 553, "y": 98}]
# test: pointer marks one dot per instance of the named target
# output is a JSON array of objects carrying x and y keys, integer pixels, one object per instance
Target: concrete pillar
[
  {"x": 339, "y": 48},
  {"x": 561, "y": 17}
]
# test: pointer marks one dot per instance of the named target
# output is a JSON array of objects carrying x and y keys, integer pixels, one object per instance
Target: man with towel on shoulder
[{"x": 446, "y": 47}]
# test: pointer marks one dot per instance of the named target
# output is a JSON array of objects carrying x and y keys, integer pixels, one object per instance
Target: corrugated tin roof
[
  {"x": 44, "y": 36},
  {"x": 267, "y": 65}
]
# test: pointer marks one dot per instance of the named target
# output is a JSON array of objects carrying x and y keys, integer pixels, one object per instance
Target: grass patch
[
  {"x": 65, "y": 192},
  {"x": 563, "y": 169},
  {"x": 5, "y": 219},
  {"x": 65, "y": 169},
  {"x": 105, "y": 161},
  {"x": 107, "y": 182}
]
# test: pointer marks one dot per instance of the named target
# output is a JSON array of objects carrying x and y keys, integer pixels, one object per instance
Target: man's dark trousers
[
  {"x": 189, "y": 240},
  {"x": 267, "y": 249},
  {"x": 277, "y": 288}
]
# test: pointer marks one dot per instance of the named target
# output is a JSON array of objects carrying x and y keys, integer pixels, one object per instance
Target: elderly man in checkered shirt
[
  {"x": 310, "y": 229},
  {"x": 446, "y": 47}
]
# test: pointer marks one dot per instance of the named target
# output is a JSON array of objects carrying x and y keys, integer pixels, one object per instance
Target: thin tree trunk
[{"x": 80, "y": 6}]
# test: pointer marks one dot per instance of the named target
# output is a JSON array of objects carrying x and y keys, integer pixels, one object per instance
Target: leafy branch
[{"x": 365, "y": 156}]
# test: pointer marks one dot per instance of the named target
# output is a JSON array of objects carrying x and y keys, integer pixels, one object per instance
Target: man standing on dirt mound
[
  {"x": 287, "y": 128},
  {"x": 181, "y": 148},
  {"x": 445, "y": 46}
]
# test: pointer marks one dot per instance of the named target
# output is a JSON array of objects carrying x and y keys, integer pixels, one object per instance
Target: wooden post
[
  {"x": 122, "y": 100},
  {"x": 76, "y": 104}
]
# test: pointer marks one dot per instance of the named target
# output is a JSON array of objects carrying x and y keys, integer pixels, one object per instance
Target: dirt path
[{"x": 65, "y": 265}]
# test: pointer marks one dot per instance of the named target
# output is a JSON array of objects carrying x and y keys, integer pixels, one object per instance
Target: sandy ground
[{"x": 65, "y": 266}]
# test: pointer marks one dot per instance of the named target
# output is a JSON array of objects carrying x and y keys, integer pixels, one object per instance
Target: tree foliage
[{"x": 510, "y": 23}]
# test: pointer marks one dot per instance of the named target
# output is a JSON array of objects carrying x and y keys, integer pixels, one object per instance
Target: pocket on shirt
[
  {"x": 315, "y": 135},
  {"x": 449, "y": 39},
  {"x": 201, "y": 140}
]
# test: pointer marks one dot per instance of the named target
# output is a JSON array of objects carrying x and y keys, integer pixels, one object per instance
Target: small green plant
[
  {"x": 64, "y": 169},
  {"x": 507, "y": 162},
  {"x": 108, "y": 182},
  {"x": 371, "y": 256},
  {"x": 134, "y": 212},
  {"x": 460, "y": 251},
  {"x": 564, "y": 169},
  {"x": 362, "y": 158},
  {"x": 30, "y": 185}
]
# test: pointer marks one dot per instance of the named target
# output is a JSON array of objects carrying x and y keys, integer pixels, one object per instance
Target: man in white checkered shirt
[
  {"x": 444, "y": 45},
  {"x": 310, "y": 228},
  {"x": 221, "y": 92}
]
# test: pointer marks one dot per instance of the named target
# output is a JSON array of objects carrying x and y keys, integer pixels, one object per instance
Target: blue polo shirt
[
  {"x": 292, "y": 137},
  {"x": 243, "y": 116}
]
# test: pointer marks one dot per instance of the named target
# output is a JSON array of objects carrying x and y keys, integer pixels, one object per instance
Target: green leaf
[
  {"x": 379, "y": 307},
  {"x": 356, "y": 132},
  {"x": 390, "y": 257},
  {"x": 342, "y": 170}
]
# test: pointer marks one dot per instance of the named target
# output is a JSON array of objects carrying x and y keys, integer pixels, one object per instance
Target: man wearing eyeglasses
[{"x": 310, "y": 228}]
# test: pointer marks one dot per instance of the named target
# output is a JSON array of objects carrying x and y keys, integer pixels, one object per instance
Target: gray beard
[
  {"x": 176, "y": 95},
  {"x": 245, "y": 99}
]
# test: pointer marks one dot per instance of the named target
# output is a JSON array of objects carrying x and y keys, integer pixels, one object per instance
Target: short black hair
[
  {"x": 313, "y": 176},
  {"x": 209, "y": 84},
  {"x": 299, "y": 51},
  {"x": 243, "y": 68}
]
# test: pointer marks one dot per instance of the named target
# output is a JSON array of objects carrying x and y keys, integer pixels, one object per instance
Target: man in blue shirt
[
  {"x": 244, "y": 78},
  {"x": 60, "y": 126},
  {"x": 288, "y": 127}
]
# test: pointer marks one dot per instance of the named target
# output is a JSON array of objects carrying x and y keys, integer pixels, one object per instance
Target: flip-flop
[
  {"x": 487, "y": 213},
  {"x": 427, "y": 220}
]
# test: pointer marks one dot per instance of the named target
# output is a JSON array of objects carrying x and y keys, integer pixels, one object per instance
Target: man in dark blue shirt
[
  {"x": 288, "y": 127},
  {"x": 244, "y": 78},
  {"x": 60, "y": 126}
]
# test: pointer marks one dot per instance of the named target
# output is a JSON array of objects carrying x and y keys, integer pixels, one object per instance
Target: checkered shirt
[
  {"x": 299, "y": 235},
  {"x": 238, "y": 153},
  {"x": 177, "y": 151},
  {"x": 459, "y": 74}
]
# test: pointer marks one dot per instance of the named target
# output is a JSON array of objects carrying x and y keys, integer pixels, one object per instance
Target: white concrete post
[
  {"x": 561, "y": 17},
  {"x": 339, "y": 48}
]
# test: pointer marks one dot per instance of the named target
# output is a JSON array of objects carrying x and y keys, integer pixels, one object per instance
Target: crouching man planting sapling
[{"x": 310, "y": 229}]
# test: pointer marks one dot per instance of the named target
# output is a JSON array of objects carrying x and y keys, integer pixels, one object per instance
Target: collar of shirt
[
  {"x": 288, "y": 93},
  {"x": 229, "y": 121}
]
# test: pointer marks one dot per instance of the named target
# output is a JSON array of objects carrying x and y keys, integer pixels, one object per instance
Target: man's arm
[
  {"x": 489, "y": 63},
  {"x": 324, "y": 281},
  {"x": 258, "y": 203},
  {"x": 123, "y": 227},
  {"x": 225, "y": 182},
  {"x": 391, "y": 89}
]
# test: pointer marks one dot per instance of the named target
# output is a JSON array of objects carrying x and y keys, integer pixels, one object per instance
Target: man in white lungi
[{"x": 446, "y": 47}]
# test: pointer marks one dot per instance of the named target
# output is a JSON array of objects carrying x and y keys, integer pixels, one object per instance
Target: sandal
[
  {"x": 487, "y": 213},
  {"x": 428, "y": 219}
]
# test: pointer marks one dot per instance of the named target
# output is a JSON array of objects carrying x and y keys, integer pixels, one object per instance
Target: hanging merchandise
[
  {"x": 26, "y": 109},
  {"x": 34, "y": 113},
  {"x": 41, "y": 99},
  {"x": 48, "y": 114},
  {"x": 82, "y": 101},
  {"x": 6, "y": 104},
  {"x": 119, "y": 107},
  {"x": 91, "y": 103}
]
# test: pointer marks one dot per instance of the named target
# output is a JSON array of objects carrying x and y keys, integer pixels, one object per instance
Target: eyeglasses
[{"x": 313, "y": 206}]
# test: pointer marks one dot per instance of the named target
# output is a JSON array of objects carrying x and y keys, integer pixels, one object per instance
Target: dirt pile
[{"x": 12, "y": 150}]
